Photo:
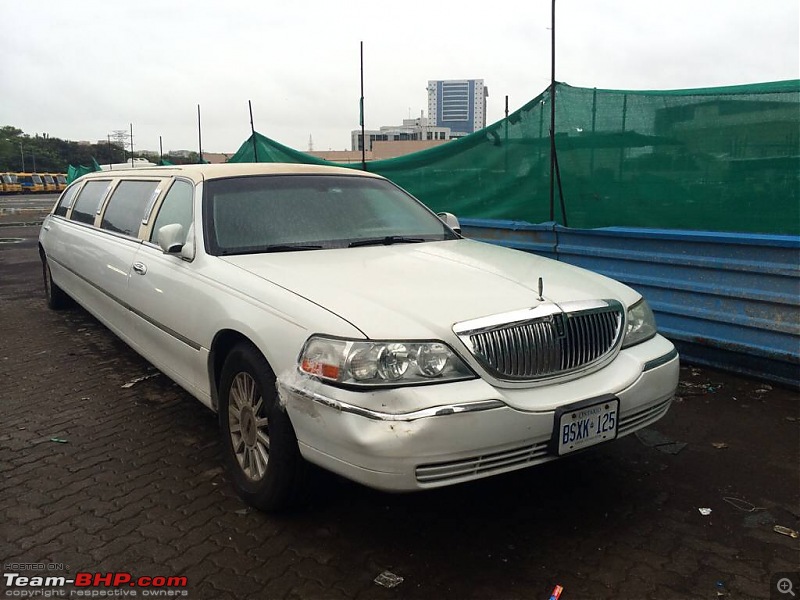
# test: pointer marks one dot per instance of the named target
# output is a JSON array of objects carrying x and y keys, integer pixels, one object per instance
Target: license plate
[{"x": 586, "y": 424}]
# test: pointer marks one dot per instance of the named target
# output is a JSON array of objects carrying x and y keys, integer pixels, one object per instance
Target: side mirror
[
  {"x": 170, "y": 238},
  {"x": 450, "y": 220}
]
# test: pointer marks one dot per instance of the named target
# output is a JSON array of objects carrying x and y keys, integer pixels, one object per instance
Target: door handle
[{"x": 140, "y": 268}]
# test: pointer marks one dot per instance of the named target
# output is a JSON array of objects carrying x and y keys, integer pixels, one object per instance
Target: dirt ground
[{"x": 97, "y": 477}]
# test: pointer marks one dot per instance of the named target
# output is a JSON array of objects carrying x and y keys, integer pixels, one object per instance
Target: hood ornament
[{"x": 541, "y": 289}]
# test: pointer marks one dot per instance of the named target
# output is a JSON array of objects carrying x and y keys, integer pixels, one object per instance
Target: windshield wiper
[
  {"x": 291, "y": 247},
  {"x": 385, "y": 241},
  {"x": 272, "y": 248}
]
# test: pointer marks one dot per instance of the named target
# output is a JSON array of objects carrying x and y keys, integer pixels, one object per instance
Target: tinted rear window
[
  {"x": 66, "y": 200},
  {"x": 126, "y": 206},
  {"x": 89, "y": 201}
]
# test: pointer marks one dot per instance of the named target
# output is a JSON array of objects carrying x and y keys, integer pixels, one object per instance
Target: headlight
[
  {"x": 370, "y": 363},
  {"x": 641, "y": 324}
]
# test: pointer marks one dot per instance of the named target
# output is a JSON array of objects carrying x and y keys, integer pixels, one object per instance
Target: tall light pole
[
  {"x": 361, "y": 116},
  {"x": 22, "y": 153},
  {"x": 552, "y": 108},
  {"x": 253, "y": 132},
  {"x": 199, "y": 135},
  {"x": 554, "y": 169}
]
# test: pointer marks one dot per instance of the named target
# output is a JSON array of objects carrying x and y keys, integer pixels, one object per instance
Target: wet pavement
[
  {"x": 24, "y": 208},
  {"x": 98, "y": 477}
]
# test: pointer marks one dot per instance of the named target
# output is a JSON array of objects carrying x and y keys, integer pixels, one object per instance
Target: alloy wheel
[{"x": 249, "y": 430}]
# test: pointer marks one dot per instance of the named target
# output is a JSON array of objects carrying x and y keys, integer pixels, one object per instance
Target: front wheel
[{"x": 258, "y": 439}]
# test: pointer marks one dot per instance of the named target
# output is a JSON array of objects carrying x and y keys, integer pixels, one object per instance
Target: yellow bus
[
  {"x": 61, "y": 181},
  {"x": 49, "y": 182},
  {"x": 31, "y": 183},
  {"x": 9, "y": 183}
]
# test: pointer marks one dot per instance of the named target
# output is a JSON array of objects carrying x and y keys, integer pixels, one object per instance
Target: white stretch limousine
[{"x": 328, "y": 316}]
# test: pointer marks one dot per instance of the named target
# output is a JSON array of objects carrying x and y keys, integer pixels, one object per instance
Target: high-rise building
[{"x": 459, "y": 104}]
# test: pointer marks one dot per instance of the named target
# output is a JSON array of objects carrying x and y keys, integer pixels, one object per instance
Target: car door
[
  {"x": 95, "y": 262},
  {"x": 166, "y": 301},
  {"x": 120, "y": 222}
]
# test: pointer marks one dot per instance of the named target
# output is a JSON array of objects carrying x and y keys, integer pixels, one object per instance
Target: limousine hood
[{"x": 419, "y": 291}]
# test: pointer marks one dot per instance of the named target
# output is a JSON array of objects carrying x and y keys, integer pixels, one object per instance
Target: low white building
[{"x": 418, "y": 129}]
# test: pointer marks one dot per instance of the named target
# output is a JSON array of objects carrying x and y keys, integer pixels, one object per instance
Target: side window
[
  {"x": 176, "y": 208},
  {"x": 89, "y": 201},
  {"x": 66, "y": 200},
  {"x": 126, "y": 206}
]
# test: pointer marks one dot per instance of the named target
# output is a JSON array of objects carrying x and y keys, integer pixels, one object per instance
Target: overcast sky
[{"x": 79, "y": 70}]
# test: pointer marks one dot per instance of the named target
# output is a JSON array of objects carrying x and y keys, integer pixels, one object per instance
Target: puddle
[{"x": 16, "y": 211}]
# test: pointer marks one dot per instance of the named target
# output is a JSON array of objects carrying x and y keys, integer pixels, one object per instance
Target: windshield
[{"x": 277, "y": 213}]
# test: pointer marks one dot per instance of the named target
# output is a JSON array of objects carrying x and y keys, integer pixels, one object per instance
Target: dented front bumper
[{"x": 429, "y": 436}]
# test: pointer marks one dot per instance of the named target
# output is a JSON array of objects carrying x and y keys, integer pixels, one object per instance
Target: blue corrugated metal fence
[{"x": 727, "y": 300}]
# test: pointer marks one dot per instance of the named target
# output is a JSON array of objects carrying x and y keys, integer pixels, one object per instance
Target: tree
[
  {"x": 10, "y": 157},
  {"x": 53, "y": 155}
]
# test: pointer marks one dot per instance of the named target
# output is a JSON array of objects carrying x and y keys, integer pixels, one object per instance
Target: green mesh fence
[{"x": 715, "y": 159}]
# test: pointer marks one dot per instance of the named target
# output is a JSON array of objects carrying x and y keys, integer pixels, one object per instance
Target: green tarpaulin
[{"x": 716, "y": 159}]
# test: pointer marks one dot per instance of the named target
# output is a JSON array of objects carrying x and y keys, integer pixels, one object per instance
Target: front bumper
[{"x": 451, "y": 433}]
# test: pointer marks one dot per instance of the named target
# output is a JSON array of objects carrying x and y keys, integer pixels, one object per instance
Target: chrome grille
[{"x": 549, "y": 344}]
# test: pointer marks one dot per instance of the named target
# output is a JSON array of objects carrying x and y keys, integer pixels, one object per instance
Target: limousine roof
[{"x": 220, "y": 171}]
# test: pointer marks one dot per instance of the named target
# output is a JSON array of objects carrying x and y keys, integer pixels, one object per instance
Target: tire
[
  {"x": 258, "y": 440},
  {"x": 56, "y": 297}
]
